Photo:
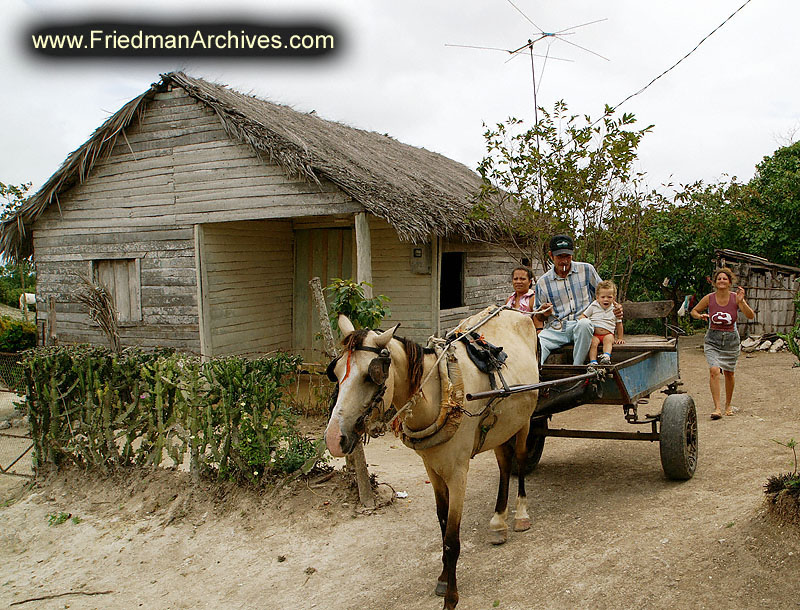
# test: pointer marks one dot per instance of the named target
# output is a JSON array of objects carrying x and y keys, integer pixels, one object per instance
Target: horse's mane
[{"x": 414, "y": 353}]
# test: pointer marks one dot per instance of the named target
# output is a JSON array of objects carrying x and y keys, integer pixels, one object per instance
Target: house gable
[{"x": 171, "y": 170}]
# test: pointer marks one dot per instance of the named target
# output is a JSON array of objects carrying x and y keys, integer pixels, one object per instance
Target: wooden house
[
  {"x": 206, "y": 211},
  {"x": 770, "y": 291}
]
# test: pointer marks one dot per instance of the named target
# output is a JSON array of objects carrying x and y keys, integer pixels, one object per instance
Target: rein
[
  {"x": 450, "y": 337},
  {"x": 452, "y": 391}
]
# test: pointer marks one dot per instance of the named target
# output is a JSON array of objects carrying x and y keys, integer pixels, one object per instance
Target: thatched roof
[{"x": 416, "y": 191}]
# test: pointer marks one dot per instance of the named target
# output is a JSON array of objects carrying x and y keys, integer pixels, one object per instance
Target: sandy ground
[
  {"x": 15, "y": 312},
  {"x": 609, "y": 531}
]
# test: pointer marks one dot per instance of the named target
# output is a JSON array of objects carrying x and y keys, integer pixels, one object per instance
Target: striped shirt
[{"x": 570, "y": 295}]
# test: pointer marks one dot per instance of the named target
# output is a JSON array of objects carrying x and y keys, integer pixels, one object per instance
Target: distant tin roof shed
[{"x": 770, "y": 290}]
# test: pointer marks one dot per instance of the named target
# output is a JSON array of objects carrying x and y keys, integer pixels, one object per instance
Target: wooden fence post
[
  {"x": 356, "y": 461},
  {"x": 322, "y": 314},
  {"x": 52, "y": 335}
]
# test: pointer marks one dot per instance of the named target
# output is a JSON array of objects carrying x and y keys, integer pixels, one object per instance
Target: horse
[{"x": 378, "y": 369}]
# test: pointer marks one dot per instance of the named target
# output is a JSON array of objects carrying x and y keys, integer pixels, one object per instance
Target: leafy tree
[
  {"x": 13, "y": 195},
  {"x": 18, "y": 276},
  {"x": 568, "y": 174},
  {"x": 775, "y": 207},
  {"x": 760, "y": 217}
]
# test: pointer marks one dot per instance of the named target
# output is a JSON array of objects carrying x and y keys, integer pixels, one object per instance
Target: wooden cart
[{"x": 642, "y": 365}]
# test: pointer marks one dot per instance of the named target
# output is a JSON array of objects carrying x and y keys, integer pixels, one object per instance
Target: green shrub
[
  {"x": 227, "y": 415},
  {"x": 348, "y": 299},
  {"x": 16, "y": 335}
]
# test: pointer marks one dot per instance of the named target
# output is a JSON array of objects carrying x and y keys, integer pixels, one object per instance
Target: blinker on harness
[{"x": 378, "y": 373}]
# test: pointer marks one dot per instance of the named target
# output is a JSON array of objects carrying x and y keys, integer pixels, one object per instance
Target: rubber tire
[
  {"x": 678, "y": 437},
  {"x": 534, "y": 446}
]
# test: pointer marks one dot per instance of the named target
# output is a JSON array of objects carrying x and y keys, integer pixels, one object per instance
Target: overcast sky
[{"x": 733, "y": 101}]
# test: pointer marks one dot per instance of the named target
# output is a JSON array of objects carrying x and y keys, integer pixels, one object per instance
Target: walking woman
[{"x": 722, "y": 341}]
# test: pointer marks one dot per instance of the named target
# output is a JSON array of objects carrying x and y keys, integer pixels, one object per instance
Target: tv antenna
[
  {"x": 527, "y": 49},
  {"x": 539, "y": 35}
]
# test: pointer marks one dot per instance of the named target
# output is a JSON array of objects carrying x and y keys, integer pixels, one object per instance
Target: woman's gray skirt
[{"x": 722, "y": 348}]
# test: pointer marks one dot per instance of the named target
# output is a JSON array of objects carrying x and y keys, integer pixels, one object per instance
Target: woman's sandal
[
  {"x": 716, "y": 415},
  {"x": 729, "y": 413}
]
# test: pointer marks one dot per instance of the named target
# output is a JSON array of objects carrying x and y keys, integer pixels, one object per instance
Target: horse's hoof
[
  {"x": 498, "y": 536},
  {"x": 441, "y": 588},
  {"x": 522, "y": 525}
]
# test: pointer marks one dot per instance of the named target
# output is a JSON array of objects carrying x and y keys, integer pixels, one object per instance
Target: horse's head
[{"x": 365, "y": 384}]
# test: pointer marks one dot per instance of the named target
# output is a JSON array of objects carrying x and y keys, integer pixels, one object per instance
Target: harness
[
  {"x": 451, "y": 405},
  {"x": 487, "y": 357},
  {"x": 378, "y": 373},
  {"x": 374, "y": 421}
]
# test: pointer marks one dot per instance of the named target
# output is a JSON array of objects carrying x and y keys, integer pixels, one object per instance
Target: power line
[
  {"x": 679, "y": 61},
  {"x": 614, "y": 108}
]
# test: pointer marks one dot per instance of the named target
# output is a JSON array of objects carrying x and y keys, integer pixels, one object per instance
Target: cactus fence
[{"x": 226, "y": 417}]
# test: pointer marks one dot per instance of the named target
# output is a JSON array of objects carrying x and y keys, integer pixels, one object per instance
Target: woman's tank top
[{"x": 723, "y": 318}]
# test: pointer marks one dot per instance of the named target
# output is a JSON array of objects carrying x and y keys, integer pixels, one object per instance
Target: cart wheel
[
  {"x": 678, "y": 442},
  {"x": 534, "y": 445}
]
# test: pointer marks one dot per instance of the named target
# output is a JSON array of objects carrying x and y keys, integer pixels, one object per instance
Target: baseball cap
[{"x": 562, "y": 244}]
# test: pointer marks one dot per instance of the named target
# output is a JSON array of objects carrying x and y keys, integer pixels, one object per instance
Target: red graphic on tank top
[{"x": 722, "y": 318}]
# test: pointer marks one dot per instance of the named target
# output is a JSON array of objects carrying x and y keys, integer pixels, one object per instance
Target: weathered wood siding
[
  {"x": 326, "y": 253},
  {"x": 248, "y": 268},
  {"x": 771, "y": 295},
  {"x": 770, "y": 291},
  {"x": 410, "y": 292},
  {"x": 174, "y": 169},
  {"x": 487, "y": 279}
]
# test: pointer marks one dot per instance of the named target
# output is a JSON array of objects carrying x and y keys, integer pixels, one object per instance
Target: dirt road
[{"x": 608, "y": 530}]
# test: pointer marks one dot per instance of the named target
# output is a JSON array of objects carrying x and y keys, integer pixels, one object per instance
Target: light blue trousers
[{"x": 578, "y": 332}]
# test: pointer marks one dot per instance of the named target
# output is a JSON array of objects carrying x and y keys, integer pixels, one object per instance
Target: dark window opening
[{"x": 451, "y": 287}]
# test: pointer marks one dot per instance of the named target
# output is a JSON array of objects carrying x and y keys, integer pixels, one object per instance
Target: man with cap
[{"x": 562, "y": 293}]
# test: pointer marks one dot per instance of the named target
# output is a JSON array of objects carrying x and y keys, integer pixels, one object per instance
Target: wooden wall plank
[{"x": 250, "y": 303}]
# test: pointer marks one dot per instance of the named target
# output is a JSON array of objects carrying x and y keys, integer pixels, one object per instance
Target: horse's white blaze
[
  {"x": 333, "y": 435},
  {"x": 354, "y": 395},
  {"x": 353, "y": 398}
]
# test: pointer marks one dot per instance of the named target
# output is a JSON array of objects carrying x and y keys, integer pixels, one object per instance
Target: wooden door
[{"x": 322, "y": 253}]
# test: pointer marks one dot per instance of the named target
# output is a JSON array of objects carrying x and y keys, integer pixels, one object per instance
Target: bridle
[{"x": 377, "y": 373}]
